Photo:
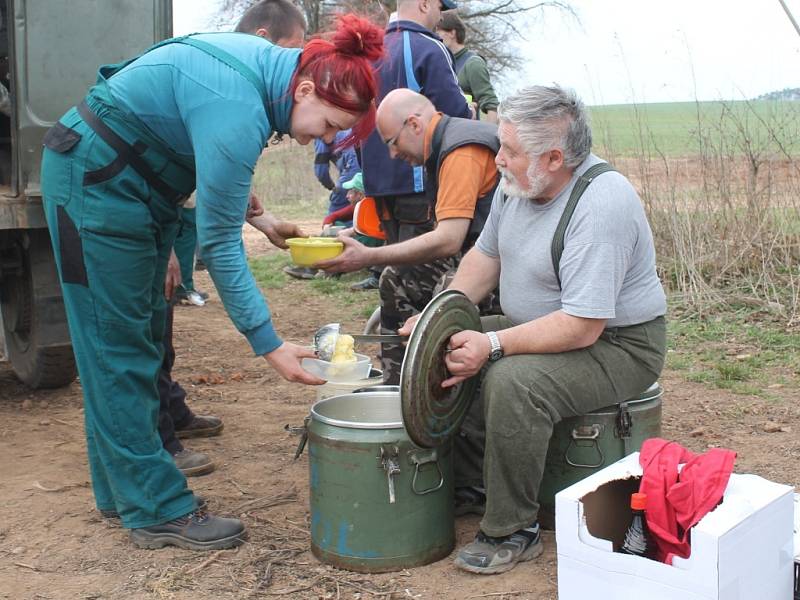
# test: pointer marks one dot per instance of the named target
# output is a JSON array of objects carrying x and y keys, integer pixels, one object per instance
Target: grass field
[{"x": 681, "y": 128}]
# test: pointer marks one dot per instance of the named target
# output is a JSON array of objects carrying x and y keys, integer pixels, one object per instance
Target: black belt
[{"x": 128, "y": 153}]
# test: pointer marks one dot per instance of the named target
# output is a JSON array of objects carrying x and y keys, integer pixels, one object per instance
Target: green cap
[{"x": 357, "y": 183}]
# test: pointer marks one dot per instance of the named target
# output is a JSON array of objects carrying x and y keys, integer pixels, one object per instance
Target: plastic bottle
[{"x": 637, "y": 538}]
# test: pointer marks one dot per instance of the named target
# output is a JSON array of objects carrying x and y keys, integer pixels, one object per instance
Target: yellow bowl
[{"x": 307, "y": 251}]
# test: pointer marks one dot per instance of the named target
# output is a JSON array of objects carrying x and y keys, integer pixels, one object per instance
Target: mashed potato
[{"x": 343, "y": 352}]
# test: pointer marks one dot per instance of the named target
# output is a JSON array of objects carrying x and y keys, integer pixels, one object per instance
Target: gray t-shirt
[{"x": 608, "y": 269}]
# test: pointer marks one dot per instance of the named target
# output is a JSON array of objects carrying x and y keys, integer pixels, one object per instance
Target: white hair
[{"x": 549, "y": 117}]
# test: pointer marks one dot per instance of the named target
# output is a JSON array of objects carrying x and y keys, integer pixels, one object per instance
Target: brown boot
[
  {"x": 192, "y": 463},
  {"x": 200, "y": 426}
]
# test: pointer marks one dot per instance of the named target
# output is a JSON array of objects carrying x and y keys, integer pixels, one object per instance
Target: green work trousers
[
  {"x": 111, "y": 238},
  {"x": 503, "y": 442},
  {"x": 185, "y": 247}
]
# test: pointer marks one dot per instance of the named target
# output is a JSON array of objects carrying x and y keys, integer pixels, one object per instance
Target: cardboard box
[{"x": 742, "y": 550}]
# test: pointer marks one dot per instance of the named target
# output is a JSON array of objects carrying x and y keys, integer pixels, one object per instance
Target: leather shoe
[
  {"x": 196, "y": 531},
  {"x": 192, "y": 463},
  {"x": 200, "y": 426}
]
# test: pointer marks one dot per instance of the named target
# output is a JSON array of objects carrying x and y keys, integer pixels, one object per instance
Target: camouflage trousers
[{"x": 404, "y": 292}]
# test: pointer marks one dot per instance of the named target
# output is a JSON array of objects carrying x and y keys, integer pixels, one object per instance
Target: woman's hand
[
  {"x": 286, "y": 361},
  {"x": 254, "y": 207},
  {"x": 173, "y": 278},
  {"x": 277, "y": 231}
]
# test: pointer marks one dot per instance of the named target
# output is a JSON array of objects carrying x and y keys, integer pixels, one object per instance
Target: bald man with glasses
[{"x": 457, "y": 156}]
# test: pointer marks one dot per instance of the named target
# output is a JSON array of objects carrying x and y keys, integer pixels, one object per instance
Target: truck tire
[{"x": 34, "y": 321}]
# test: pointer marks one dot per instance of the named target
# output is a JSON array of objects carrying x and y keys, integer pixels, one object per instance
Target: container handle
[
  {"x": 584, "y": 433},
  {"x": 418, "y": 461}
]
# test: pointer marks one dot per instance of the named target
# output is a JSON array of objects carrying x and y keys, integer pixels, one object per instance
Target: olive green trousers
[{"x": 503, "y": 442}]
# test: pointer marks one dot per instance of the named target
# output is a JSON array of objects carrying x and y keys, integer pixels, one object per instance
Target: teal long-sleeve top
[{"x": 205, "y": 111}]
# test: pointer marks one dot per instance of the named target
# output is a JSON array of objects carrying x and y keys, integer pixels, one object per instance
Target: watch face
[{"x": 496, "y": 355}]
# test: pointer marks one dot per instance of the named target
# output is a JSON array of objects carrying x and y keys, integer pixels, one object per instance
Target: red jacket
[{"x": 677, "y": 501}]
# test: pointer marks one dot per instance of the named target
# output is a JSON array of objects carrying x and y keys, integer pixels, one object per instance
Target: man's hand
[
  {"x": 277, "y": 231},
  {"x": 286, "y": 361},
  {"x": 254, "y": 208},
  {"x": 467, "y": 352},
  {"x": 355, "y": 256},
  {"x": 408, "y": 325},
  {"x": 173, "y": 278}
]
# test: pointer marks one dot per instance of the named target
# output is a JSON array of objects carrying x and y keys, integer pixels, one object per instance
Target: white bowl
[{"x": 339, "y": 372}]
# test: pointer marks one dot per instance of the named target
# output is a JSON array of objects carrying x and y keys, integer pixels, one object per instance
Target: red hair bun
[{"x": 340, "y": 63}]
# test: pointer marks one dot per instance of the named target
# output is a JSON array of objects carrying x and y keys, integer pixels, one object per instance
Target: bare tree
[{"x": 495, "y": 27}]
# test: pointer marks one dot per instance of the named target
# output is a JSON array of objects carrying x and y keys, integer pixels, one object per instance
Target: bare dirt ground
[{"x": 54, "y": 544}]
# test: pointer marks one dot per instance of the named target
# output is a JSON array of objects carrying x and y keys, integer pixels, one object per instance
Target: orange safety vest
[{"x": 366, "y": 219}]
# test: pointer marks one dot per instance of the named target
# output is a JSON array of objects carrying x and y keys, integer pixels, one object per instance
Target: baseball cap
[{"x": 357, "y": 183}]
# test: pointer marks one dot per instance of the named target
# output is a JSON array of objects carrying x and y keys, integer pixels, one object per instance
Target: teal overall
[
  {"x": 113, "y": 212},
  {"x": 186, "y": 246}
]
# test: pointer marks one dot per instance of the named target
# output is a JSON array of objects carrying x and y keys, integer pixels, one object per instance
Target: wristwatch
[{"x": 496, "y": 352}]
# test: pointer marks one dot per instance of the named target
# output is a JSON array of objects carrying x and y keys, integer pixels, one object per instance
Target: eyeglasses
[{"x": 392, "y": 141}]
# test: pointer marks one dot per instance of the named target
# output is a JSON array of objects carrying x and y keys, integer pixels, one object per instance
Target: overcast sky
[{"x": 643, "y": 50}]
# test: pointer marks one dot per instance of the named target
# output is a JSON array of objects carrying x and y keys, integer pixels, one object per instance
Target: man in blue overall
[{"x": 191, "y": 113}]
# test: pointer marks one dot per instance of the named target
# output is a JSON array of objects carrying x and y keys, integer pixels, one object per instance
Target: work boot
[
  {"x": 192, "y": 463},
  {"x": 370, "y": 283},
  {"x": 111, "y": 513},
  {"x": 300, "y": 272},
  {"x": 469, "y": 500},
  {"x": 200, "y": 426},
  {"x": 196, "y": 531},
  {"x": 489, "y": 555},
  {"x": 325, "y": 275},
  {"x": 192, "y": 298}
]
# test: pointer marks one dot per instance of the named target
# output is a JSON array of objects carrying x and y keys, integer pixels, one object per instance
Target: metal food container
[
  {"x": 378, "y": 502},
  {"x": 585, "y": 444},
  {"x": 381, "y": 458}
]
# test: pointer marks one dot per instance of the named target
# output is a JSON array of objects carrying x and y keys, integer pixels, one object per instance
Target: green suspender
[{"x": 557, "y": 246}]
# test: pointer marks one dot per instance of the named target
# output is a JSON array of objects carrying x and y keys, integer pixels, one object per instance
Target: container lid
[{"x": 431, "y": 413}]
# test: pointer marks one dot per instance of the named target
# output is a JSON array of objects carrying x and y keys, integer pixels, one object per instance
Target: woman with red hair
[{"x": 191, "y": 113}]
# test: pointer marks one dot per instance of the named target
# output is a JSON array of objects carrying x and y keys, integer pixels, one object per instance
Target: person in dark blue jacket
[
  {"x": 346, "y": 164},
  {"x": 416, "y": 59}
]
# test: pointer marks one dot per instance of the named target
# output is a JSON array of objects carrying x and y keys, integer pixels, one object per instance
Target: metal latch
[
  {"x": 389, "y": 462},
  {"x": 302, "y": 432},
  {"x": 624, "y": 421}
]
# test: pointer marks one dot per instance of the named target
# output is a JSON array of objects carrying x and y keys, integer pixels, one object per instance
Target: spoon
[{"x": 325, "y": 339}]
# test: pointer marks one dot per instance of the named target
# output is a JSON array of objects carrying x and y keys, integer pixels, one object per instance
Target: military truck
[{"x": 49, "y": 54}]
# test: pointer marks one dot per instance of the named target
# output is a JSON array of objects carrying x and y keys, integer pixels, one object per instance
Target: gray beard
[{"x": 537, "y": 182}]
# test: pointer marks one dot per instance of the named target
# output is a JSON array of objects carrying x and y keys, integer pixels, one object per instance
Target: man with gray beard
[{"x": 583, "y": 327}]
